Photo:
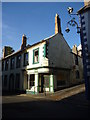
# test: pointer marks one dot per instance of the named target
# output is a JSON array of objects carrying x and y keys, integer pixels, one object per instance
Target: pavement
[
  {"x": 56, "y": 96},
  {"x": 69, "y": 103}
]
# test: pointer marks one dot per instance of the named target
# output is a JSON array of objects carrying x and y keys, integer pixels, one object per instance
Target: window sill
[{"x": 35, "y": 62}]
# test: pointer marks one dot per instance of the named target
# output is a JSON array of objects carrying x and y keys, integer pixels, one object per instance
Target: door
[
  {"x": 42, "y": 84},
  {"x": 11, "y": 83}
]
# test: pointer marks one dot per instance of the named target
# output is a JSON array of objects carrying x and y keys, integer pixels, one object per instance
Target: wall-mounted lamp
[
  {"x": 70, "y": 10},
  {"x": 72, "y": 22},
  {"x": 67, "y": 30}
]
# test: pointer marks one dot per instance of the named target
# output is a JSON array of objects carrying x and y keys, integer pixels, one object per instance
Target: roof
[
  {"x": 14, "y": 53},
  {"x": 84, "y": 9},
  {"x": 29, "y": 46}
]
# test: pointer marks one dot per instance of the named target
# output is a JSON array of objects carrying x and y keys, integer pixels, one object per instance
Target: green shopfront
[{"x": 39, "y": 82}]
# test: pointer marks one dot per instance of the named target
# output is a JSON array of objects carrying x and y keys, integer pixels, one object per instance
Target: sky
[{"x": 37, "y": 21}]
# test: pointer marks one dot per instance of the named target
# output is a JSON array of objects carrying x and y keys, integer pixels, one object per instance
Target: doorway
[
  {"x": 41, "y": 83},
  {"x": 11, "y": 83},
  {"x": 44, "y": 80}
]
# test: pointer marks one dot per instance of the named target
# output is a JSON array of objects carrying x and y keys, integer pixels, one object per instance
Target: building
[
  {"x": 85, "y": 42},
  {"x": 45, "y": 66},
  {"x": 79, "y": 50},
  {"x": 7, "y": 50}
]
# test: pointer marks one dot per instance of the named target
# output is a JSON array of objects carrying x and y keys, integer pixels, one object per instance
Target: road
[{"x": 26, "y": 106}]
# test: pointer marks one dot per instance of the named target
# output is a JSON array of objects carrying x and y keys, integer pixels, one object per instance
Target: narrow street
[{"x": 29, "y": 106}]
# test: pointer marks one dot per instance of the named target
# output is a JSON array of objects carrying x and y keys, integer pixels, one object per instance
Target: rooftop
[{"x": 29, "y": 46}]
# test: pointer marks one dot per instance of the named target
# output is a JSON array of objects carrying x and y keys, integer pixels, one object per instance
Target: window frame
[
  {"x": 12, "y": 65},
  {"x": 25, "y": 62},
  {"x": 44, "y": 50},
  {"x": 6, "y": 65},
  {"x": 18, "y": 61},
  {"x": 37, "y": 49},
  {"x": 32, "y": 80}
]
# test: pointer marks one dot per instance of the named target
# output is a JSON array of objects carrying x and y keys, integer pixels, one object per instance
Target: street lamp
[
  {"x": 70, "y": 10},
  {"x": 67, "y": 30},
  {"x": 72, "y": 22},
  {"x": 84, "y": 43}
]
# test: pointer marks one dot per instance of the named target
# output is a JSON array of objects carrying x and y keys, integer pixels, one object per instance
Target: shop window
[
  {"x": 61, "y": 82},
  {"x": 46, "y": 81},
  {"x": 32, "y": 79}
]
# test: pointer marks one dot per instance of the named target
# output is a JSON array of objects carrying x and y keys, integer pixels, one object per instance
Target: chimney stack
[
  {"x": 7, "y": 50},
  {"x": 24, "y": 41},
  {"x": 74, "y": 50},
  {"x": 57, "y": 24},
  {"x": 86, "y": 2}
]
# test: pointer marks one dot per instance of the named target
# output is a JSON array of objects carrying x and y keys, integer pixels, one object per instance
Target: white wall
[{"x": 42, "y": 61}]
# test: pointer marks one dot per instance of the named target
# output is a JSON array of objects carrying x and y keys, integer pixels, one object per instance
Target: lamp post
[
  {"x": 80, "y": 29},
  {"x": 72, "y": 22}
]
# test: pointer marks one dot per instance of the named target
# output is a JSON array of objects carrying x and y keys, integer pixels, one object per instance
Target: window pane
[
  {"x": 46, "y": 80},
  {"x": 36, "y": 59},
  {"x": 18, "y": 62},
  {"x": 26, "y": 59},
  {"x": 36, "y": 52},
  {"x": 6, "y": 65},
  {"x": 12, "y": 63},
  {"x": 32, "y": 79},
  {"x": 36, "y": 56}
]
